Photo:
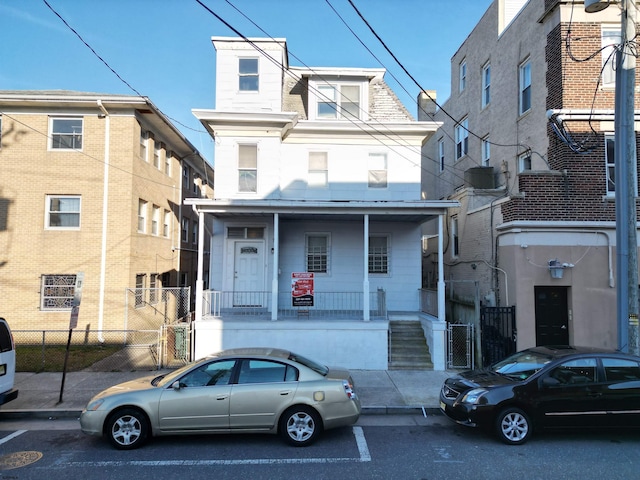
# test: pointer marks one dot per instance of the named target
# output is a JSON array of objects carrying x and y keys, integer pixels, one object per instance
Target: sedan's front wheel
[
  {"x": 127, "y": 429},
  {"x": 300, "y": 426},
  {"x": 513, "y": 426}
]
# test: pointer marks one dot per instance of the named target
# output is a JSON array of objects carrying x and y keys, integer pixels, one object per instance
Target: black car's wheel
[
  {"x": 513, "y": 426},
  {"x": 127, "y": 428},
  {"x": 300, "y": 426}
]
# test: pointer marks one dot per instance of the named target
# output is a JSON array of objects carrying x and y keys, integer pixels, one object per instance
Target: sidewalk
[{"x": 380, "y": 391}]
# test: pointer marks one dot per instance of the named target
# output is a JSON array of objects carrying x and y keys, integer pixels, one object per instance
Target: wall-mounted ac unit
[{"x": 480, "y": 177}]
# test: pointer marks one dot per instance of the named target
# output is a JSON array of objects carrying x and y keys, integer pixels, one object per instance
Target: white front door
[{"x": 248, "y": 280}]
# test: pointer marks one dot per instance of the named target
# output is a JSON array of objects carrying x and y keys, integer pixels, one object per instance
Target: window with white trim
[
  {"x": 441, "y": 154},
  {"x": 248, "y": 76},
  {"x": 248, "y": 168},
  {"x": 486, "y": 85},
  {"x": 194, "y": 232},
  {"x": 57, "y": 292},
  {"x": 379, "y": 254},
  {"x": 462, "y": 76},
  {"x": 155, "y": 220},
  {"x": 144, "y": 142},
  {"x": 610, "y": 38},
  {"x": 141, "y": 279},
  {"x": 153, "y": 288},
  {"x": 167, "y": 223},
  {"x": 66, "y": 133},
  {"x": 185, "y": 229},
  {"x": 377, "y": 170},
  {"x": 524, "y": 162},
  {"x": 338, "y": 101},
  {"x": 610, "y": 164},
  {"x": 524, "y": 98},
  {"x": 142, "y": 216},
  {"x": 318, "y": 169},
  {"x": 462, "y": 138},
  {"x": 168, "y": 157},
  {"x": 486, "y": 151},
  {"x": 62, "y": 212},
  {"x": 455, "y": 246},
  {"x": 157, "y": 154},
  {"x": 317, "y": 252}
]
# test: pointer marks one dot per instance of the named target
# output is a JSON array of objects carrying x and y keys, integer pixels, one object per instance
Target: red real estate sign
[{"x": 302, "y": 289}]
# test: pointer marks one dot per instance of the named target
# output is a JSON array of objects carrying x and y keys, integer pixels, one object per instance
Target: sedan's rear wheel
[
  {"x": 300, "y": 426},
  {"x": 513, "y": 426},
  {"x": 127, "y": 429}
]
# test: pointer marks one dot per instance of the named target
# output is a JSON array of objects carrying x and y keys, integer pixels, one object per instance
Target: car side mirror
[{"x": 176, "y": 385}]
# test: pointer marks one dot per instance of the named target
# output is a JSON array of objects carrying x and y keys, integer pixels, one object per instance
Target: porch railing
[
  {"x": 429, "y": 301},
  {"x": 326, "y": 305}
]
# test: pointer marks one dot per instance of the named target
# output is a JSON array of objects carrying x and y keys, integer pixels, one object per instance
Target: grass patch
[{"x": 50, "y": 358}]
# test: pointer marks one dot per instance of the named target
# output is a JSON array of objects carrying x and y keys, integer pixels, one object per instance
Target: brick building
[
  {"x": 72, "y": 202},
  {"x": 527, "y": 148}
]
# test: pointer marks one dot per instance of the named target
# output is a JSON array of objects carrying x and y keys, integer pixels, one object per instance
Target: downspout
[
  {"x": 365, "y": 282},
  {"x": 275, "y": 267},
  {"x": 105, "y": 211}
]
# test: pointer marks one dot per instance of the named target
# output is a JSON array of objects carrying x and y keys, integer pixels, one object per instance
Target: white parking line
[
  {"x": 12, "y": 436},
  {"x": 361, "y": 442}
]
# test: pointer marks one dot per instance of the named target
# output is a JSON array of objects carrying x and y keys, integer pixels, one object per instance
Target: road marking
[
  {"x": 12, "y": 436},
  {"x": 358, "y": 433},
  {"x": 445, "y": 456}
]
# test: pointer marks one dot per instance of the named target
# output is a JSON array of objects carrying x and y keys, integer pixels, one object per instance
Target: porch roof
[{"x": 388, "y": 211}]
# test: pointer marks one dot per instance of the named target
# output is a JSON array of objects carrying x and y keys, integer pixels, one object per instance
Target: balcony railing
[{"x": 326, "y": 305}]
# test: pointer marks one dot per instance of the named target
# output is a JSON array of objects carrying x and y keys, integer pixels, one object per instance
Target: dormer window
[
  {"x": 248, "y": 74},
  {"x": 338, "y": 101}
]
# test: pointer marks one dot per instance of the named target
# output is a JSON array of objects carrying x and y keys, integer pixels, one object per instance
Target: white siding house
[{"x": 318, "y": 172}]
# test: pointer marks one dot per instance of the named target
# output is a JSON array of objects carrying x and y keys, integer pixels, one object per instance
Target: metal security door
[{"x": 552, "y": 316}]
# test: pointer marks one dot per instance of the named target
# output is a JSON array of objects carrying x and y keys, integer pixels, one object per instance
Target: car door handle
[
  {"x": 222, "y": 397},
  {"x": 285, "y": 392}
]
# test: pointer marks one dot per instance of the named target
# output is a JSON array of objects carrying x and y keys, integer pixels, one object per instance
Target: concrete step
[{"x": 408, "y": 349}]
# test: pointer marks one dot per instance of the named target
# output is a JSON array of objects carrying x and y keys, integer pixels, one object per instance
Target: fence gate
[
  {"x": 460, "y": 345},
  {"x": 175, "y": 345},
  {"x": 498, "y": 333}
]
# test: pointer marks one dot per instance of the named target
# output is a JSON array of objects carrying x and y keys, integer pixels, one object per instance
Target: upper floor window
[
  {"x": 168, "y": 156},
  {"x": 463, "y": 76},
  {"x": 441, "y": 154},
  {"x": 186, "y": 175},
  {"x": 144, "y": 141},
  {"x": 486, "y": 151},
  {"x": 157, "y": 154},
  {"x": 63, "y": 211},
  {"x": 377, "y": 170},
  {"x": 155, "y": 220},
  {"x": 462, "y": 138},
  {"x": 455, "y": 246},
  {"x": 338, "y": 101},
  {"x": 524, "y": 162},
  {"x": 66, "y": 133},
  {"x": 194, "y": 232},
  {"x": 379, "y": 254},
  {"x": 57, "y": 292},
  {"x": 317, "y": 252},
  {"x": 248, "y": 74},
  {"x": 524, "y": 101},
  {"x": 166, "y": 224},
  {"x": 486, "y": 85},
  {"x": 611, "y": 38},
  {"x": 610, "y": 165},
  {"x": 318, "y": 169},
  {"x": 142, "y": 216},
  {"x": 248, "y": 168},
  {"x": 185, "y": 229}
]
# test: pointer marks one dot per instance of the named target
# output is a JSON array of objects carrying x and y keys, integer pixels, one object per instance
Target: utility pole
[{"x": 626, "y": 184}]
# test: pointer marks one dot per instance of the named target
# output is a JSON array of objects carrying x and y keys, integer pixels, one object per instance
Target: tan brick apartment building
[
  {"x": 94, "y": 183},
  {"x": 527, "y": 148}
]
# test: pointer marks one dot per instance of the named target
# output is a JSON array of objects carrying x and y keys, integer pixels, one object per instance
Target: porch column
[
  {"x": 365, "y": 283},
  {"x": 276, "y": 264},
  {"x": 199, "y": 275},
  {"x": 441, "y": 305}
]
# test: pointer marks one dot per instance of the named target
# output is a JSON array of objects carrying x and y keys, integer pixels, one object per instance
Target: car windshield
[
  {"x": 521, "y": 365},
  {"x": 315, "y": 366}
]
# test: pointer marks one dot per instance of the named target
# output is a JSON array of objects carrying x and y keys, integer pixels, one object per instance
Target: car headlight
[
  {"x": 95, "y": 405},
  {"x": 472, "y": 396}
]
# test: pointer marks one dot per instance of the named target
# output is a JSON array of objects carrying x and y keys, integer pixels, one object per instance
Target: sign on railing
[{"x": 302, "y": 289}]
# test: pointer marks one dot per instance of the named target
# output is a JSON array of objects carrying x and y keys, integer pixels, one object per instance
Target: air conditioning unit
[{"x": 480, "y": 177}]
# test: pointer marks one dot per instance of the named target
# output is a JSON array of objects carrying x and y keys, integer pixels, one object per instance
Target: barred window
[
  {"x": 317, "y": 251},
  {"x": 139, "y": 296},
  {"x": 153, "y": 288},
  {"x": 57, "y": 291},
  {"x": 379, "y": 254}
]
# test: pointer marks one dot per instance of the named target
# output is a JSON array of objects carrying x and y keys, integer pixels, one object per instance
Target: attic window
[{"x": 248, "y": 74}]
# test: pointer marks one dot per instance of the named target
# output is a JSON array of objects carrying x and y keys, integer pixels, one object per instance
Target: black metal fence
[{"x": 498, "y": 333}]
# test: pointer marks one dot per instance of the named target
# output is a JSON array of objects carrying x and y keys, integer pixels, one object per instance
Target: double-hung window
[
  {"x": 486, "y": 85},
  {"x": 524, "y": 162},
  {"x": 167, "y": 224},
  {"x": 317, "y": 252},
  {"x": 463, "y": 76},
  {"x": 142, "y": 216},
  {"x": 185, "y": 229},
  {"x": 318, "y": 169},
  {"x": 63, "y": 212},
  {"x": 248, "y": 76},
  {"x": 524, "y": 100},
  {"x": 377, "y": 170},
  {"x": 248, "y": 168},
  {"x": 611, "y": 39},
  {"x": 486, "y": 151},
  {"x": 609, "y": 159},
  {"x": 66, "y": 133},
  {"x": 57, "y": 292},
  {"x": 338, "y": 101},
  {"x": 441, "y": 154},
  {"x": 155, "y": 220},
  {"x": 462, "y": 138},
  {"x": 144, "y": 141},
  {"x": 455, "y": 246},
  {"x": 379, "y": 254}
]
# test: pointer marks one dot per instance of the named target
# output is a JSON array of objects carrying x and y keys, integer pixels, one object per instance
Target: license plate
[{"x": 442, "y": 405}]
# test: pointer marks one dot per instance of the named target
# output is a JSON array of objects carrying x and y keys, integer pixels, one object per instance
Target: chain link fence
[
  {"x": 150, "y": 308},
  {"x": 460, "y": 345},
  {"x": 103, "y": 351}
]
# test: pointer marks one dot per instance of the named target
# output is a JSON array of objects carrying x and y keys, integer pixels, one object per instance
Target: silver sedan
[{"x": 241, "y": 390}]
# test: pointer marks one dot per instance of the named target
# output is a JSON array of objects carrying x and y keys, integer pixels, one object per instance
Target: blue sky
[{"x": 162, "y": 48}]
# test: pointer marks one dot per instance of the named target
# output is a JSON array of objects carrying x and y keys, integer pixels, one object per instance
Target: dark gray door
[{"x": 552, "y": 316}]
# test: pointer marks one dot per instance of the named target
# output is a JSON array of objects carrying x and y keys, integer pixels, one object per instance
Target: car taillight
[{"x": 348, "y": 389}]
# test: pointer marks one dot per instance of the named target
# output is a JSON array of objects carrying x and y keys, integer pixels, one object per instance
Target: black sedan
[{"x": 546, "y": 387}]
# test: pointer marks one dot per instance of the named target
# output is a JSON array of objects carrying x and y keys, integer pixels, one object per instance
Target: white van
[{"x": 7, "y": 364}]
